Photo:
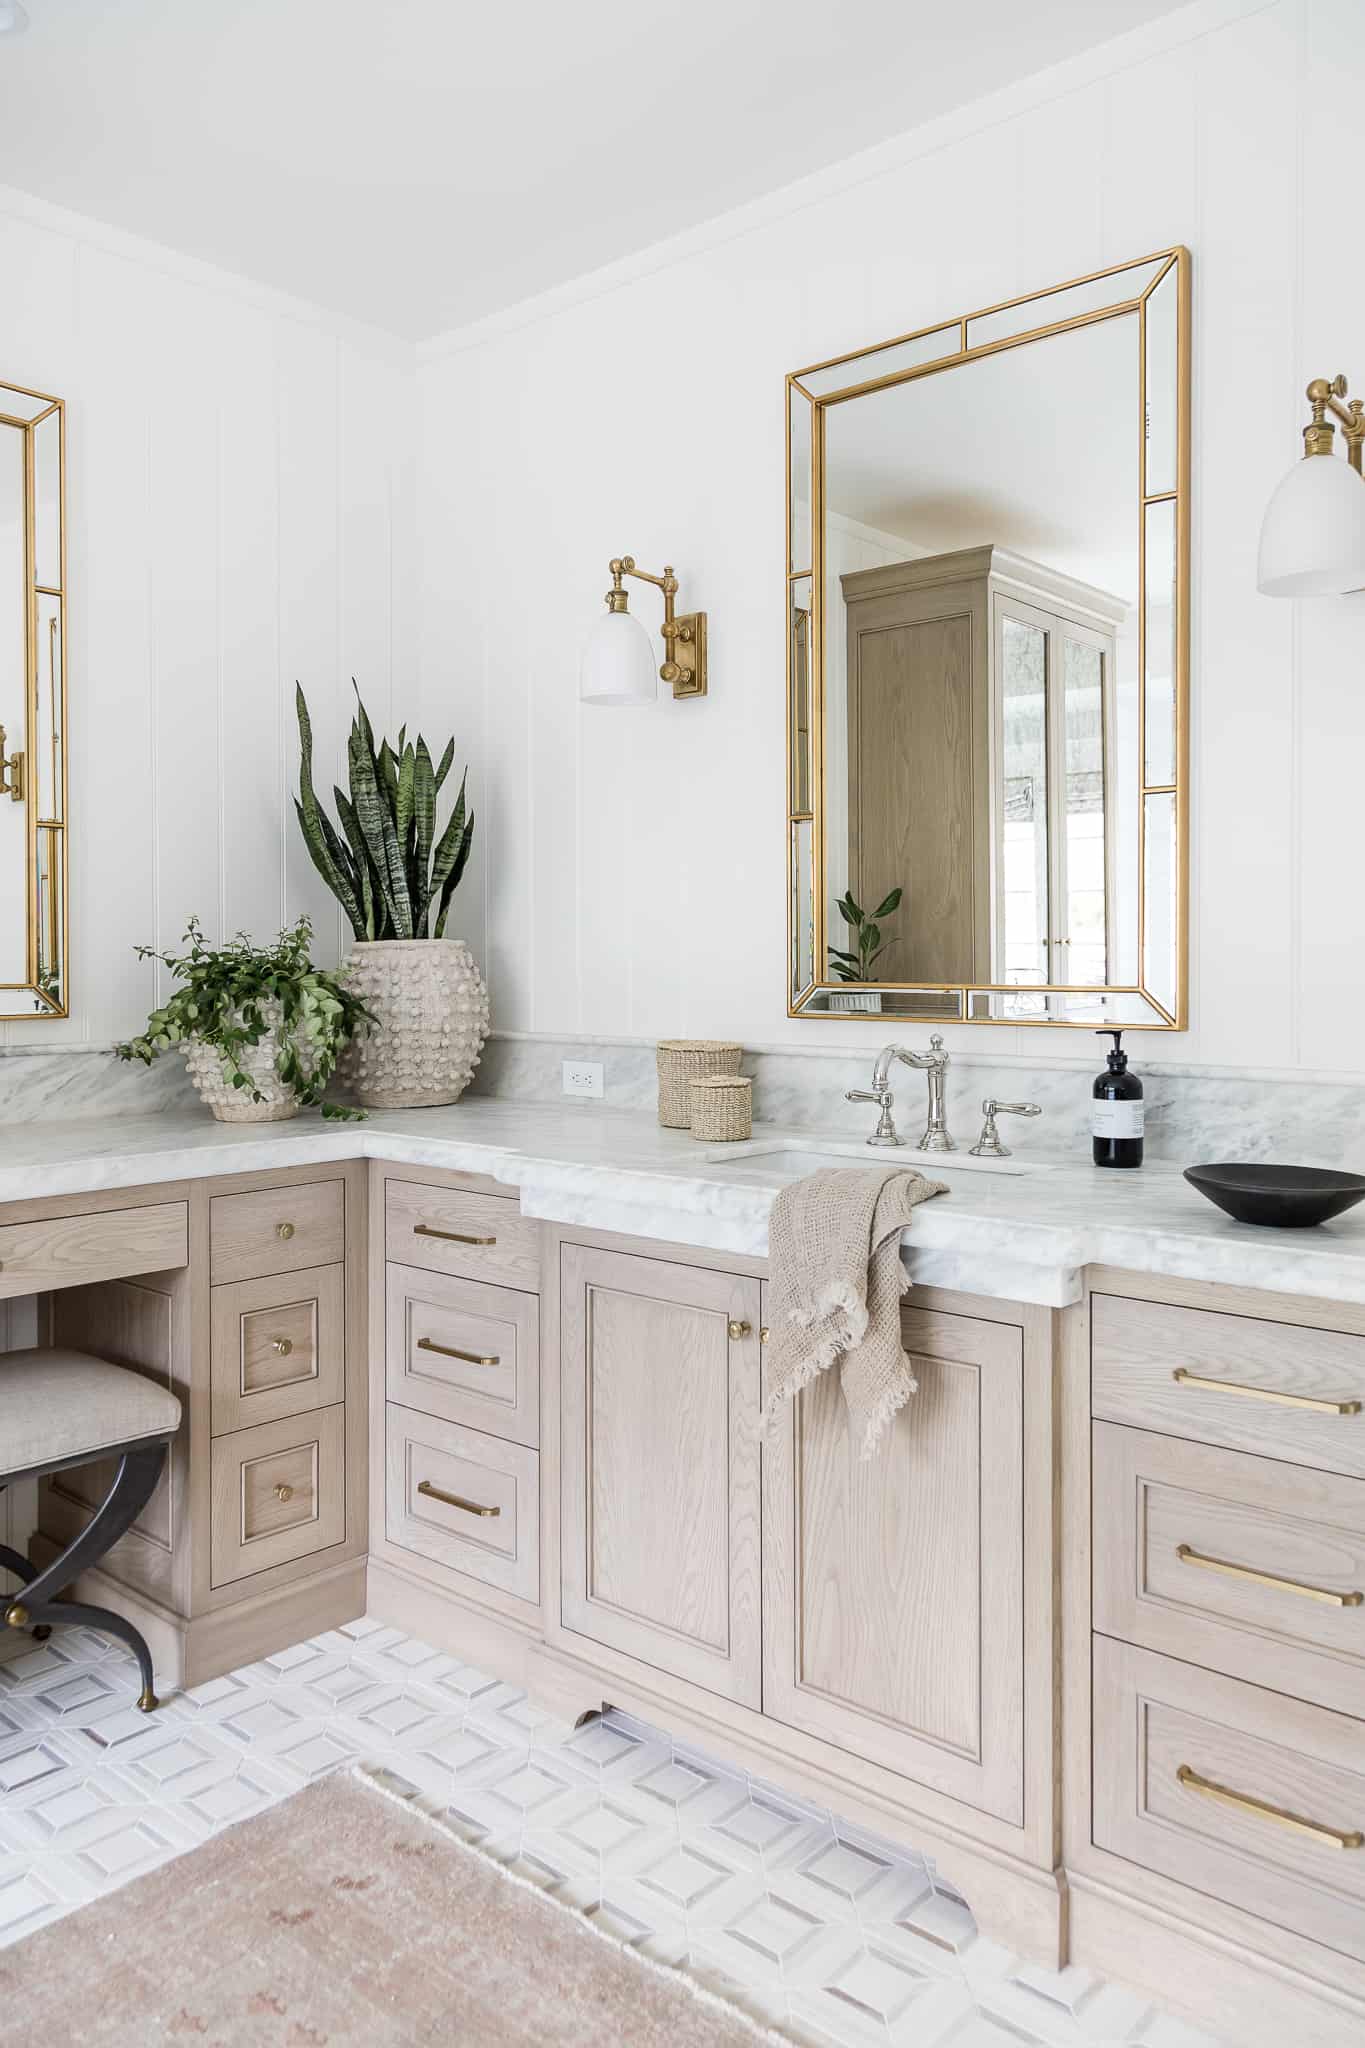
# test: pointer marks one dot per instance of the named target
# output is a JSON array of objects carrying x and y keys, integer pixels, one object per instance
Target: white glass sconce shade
[
  {"x": 1313, "y": 534},
  {"x": 618, "y": 664}
]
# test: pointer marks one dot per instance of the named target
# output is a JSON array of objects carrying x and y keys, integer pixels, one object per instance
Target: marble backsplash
[
  {"x": 1193, "y": 1113},
  {"x": 37, "y": 1086}
]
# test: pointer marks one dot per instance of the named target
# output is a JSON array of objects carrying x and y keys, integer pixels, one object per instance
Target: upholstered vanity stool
[{"x": 60, "y": 1408}]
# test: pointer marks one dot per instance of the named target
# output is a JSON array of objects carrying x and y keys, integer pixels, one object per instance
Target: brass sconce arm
[
  {"x": 684, "y": 637},
  {"x": 1325, "y": 397}
]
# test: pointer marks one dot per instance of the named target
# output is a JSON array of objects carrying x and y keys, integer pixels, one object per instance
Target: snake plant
[{"x": 386, "y": 867}]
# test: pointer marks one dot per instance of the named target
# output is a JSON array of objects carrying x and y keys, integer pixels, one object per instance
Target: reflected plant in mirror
[
  {"x": 987, "y": 661},
  {"x": 866, "y": 929}
]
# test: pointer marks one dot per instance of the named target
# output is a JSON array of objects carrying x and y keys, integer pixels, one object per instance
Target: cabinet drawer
[
  {"x": 1242, "y": 1794},
  {"x": 278, "y": 1347},
  {"x": 70, "y": 1251},
  {"x": 1245, "y": 1564},
  {"x": 279, "y": 1492},
  {"x": 463, "y": 1500},
  {"x": 1277, "y": 1389},
  {"x": 465, "y": 1351},
  {"x": 277, "y": 1230},
  {"x": 477, "y": 1237}
]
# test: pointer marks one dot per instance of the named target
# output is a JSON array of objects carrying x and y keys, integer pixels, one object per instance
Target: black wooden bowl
[{"x": 1281, "y": 1197}]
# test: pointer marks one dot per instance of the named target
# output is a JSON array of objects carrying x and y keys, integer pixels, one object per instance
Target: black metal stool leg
[
  {"x": 110, "y": 1624},
  {"x": 12, "y": 1561},
  {"x": 134, "y": 1483}
]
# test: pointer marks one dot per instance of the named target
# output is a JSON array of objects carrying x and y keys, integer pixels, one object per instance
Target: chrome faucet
[{"x": 935, "y": 1136}]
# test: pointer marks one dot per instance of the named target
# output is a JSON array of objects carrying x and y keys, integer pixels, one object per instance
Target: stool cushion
[{"x": 57, "y": 1404}]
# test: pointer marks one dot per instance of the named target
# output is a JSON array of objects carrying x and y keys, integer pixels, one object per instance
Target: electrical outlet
[{"x": 584, "y": 1078}]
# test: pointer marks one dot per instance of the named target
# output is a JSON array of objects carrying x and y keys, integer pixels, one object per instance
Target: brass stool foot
[
  {"x": 148, "y": 1702},
  {"x": 17, "y": 1616}
]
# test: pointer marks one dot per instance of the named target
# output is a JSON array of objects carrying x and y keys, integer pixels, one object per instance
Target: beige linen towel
[{"x": 834, "y": 1266}]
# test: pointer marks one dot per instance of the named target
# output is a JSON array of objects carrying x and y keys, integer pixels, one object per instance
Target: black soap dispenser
[{"x": 1116, "y": 1118}]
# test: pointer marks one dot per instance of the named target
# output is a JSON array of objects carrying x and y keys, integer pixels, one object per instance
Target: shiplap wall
[
  {"x": 630, "y": 875},
  {"x": 240, "y": 505}
]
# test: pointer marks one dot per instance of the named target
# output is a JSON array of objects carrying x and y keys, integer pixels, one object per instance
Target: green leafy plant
[
  {"x": 222, "y": 1001},
  {"x": 867, "y": 936},
  {"x": 385, "y": 865}
]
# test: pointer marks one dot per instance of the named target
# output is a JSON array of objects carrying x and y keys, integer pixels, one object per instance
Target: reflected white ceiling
[
  {"x": 1034, "y": 449},
  {"x": 418, "y": 163}
]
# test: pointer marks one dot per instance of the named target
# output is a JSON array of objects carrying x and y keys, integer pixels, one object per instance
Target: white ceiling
[{"x": 418, "y": 163}]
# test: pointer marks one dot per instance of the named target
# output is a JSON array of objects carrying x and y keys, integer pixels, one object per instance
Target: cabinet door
[
  {"x": 893, "y": 1590},
  {"x": 660, "y": 1465}
]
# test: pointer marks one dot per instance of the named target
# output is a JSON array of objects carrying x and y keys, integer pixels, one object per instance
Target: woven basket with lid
[
  {"x": 684, "y": 1060},
  {"x": 722, "y": 1107}
]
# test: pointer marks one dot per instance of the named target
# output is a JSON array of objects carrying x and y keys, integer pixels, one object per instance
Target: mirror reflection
[
  {"x": 985, "y": 665},
  {"x": 33, "y": 979}
]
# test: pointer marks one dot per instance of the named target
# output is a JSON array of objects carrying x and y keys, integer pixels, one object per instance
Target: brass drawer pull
[
  {"x": 1316, "y": 1830},
  {"x": 453, "y": 1500},
  {"x": 450, "y": 1236},
  {"x": 282, "y": 1346},
  {"x": 284, "y": 1493},
  {"x": 449, "y": 1351},
  {"x": 1193, "y": 1379},
  {"x": 1187, "y": 1555},
  {"x": 284, "y": 1231},
  {"x": 739, "y": 1329}
]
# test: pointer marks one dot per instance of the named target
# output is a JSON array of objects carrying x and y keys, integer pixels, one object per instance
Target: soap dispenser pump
[{"x": 1117, "y": 1114}]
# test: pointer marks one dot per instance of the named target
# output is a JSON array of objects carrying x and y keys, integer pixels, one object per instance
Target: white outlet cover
[{"x": 584, "y": 1079}]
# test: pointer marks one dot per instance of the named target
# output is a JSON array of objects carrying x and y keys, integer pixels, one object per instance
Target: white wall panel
[{"x": 643, "y": 872}]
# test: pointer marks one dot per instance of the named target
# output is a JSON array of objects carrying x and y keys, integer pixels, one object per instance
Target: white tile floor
[{"x": 814, "y": 1926}]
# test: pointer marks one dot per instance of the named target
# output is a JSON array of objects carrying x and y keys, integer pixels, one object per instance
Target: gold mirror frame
[
  {"x": 47, "y": 985},
  {"x": 1123, "y": 289}
]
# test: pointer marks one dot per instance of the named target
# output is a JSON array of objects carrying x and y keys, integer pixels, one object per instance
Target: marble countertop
[{"x": 1024, "y": 1237}]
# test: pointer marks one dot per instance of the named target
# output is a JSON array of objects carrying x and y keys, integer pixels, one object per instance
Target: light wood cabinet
[
  {"x": 893, "y": 1591},
  {"x": 659, "y": 1474}
]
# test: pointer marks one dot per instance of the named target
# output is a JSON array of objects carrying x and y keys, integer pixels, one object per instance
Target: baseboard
[
  {"x": 404, "y": 1600},
  {"x": 1233, "y": 1991},
  {"x": 189, "y": 1652}
]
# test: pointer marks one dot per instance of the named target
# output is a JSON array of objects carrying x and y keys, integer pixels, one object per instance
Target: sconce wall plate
[{"x": 688, "y": 644}]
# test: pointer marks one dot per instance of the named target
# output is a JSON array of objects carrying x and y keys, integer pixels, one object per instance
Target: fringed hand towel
[{"x": 834, "y": 1264}]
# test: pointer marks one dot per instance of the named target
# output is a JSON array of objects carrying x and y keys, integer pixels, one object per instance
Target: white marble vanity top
[{"x": 1023, "y": 1237}]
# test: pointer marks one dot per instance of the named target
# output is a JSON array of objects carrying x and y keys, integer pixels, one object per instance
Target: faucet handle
[
  {"x": 885, "y": 1133},
  {"x": 988, "y": 1145}
]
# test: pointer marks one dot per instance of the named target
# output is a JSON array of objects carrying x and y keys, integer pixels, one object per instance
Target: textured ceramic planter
[
  {"x": 430, "y": 1008},
  {"x": 234, "y": 1105}
]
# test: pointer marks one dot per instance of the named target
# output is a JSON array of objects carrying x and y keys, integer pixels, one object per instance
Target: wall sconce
[
  {"x": 618, "y": 656},
  {"x": 1313, "y": 534}
]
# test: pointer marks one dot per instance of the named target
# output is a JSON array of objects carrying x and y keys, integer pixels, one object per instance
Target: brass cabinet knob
[
  {"x": 284, "y": 1493},
  {"x": 284, "y": 1231},
  {"x": 282, "y": 1345},
  {"x": 738, "y": 1330},
  {"x": 763, "y": 1334}
]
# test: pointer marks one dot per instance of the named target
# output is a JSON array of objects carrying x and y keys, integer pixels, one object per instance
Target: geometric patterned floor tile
[{"x": 822, "y": 1930}]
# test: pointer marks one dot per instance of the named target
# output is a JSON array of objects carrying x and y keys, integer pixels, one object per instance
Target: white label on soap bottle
[{"x": 1117, "y": 1120}]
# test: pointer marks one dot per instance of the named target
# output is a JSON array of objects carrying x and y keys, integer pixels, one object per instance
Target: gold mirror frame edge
[
  {"x": 52, "y": 1010},
  {"x": 1166, "y": 1018}
]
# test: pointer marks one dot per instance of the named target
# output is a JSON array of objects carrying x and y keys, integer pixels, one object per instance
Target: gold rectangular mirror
[
  {"x": 33, "y": 796},
  {"x": 988, "y": 543}
]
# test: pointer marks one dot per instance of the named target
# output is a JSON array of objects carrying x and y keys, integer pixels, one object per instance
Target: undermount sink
[{"x": 791, "y": 1158}]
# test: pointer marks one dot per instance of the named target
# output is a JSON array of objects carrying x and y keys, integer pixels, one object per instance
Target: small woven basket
[
  {"x": 722, "y": 1107},
  {"x": 683, "y": 1060}
]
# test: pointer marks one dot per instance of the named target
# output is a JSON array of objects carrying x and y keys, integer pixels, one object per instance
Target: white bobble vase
[
  {"x": 430, "y": 1008},
  {"x": 238, "y": 1105}
]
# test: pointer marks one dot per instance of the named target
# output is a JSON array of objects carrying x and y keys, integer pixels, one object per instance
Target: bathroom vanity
[{"x": 1088, "y": 1631}]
